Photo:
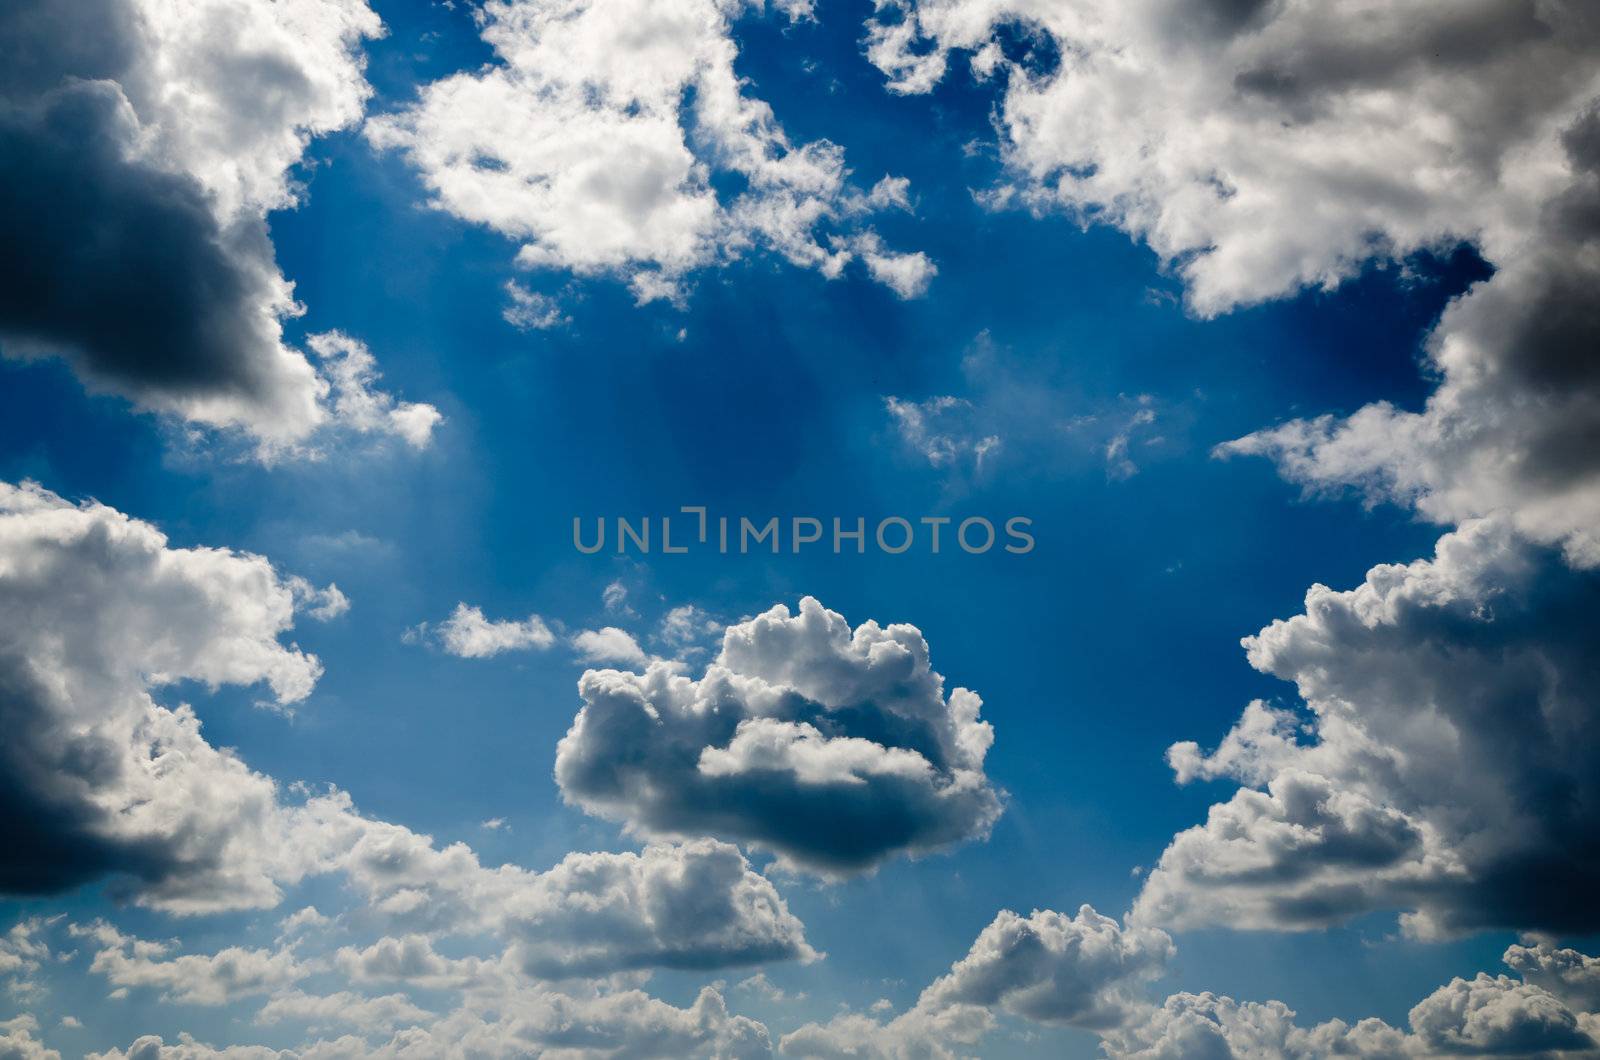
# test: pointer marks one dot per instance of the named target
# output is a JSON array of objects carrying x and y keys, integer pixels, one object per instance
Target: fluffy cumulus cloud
[
  {"x": 470, "y": 635},
  {"x": 102, "y": 615},
  {"x": 100, "y": 778},
  {"x": 836, "y": 748},
  {"x": 1047, "y": 967},
  {"x": 141, "y": 167},
  {"x": 1090, "y": 971},
  {"x": 601, "y": 139},
  {"x": 1445, "y": 763},
  {"x": 18, "y": 1041},
  {"x": 1268, "y": 145},
  {"x": 191, "y": 978},
  {"x": 1483, "y": 1016}
]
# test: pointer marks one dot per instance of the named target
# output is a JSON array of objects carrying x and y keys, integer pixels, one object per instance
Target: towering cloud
[
  {"x": 601, "y": 136},
  {"x": 1451, "y": 767},
  {"x": 139, "y": 166},
  {"x": 835, "y": 748}
]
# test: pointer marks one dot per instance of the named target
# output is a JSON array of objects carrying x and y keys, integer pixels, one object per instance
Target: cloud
[
  {"x": 17, "y": 1041},
  {"x": 1445, "y": 764},
  {"x": 696, "y": 905},
  {"x": 609, "y": 645},
  {"x": 21, "y": 948},
  {"x": 531, "y": 311},
  {"x": 940, "y": 430},
  {"x": 324, "y": 605},
  {"x": 1053, "y": 968},
  {"x": 409, "y": 959},
  {"x": 144, "y": 165},
  {"x": 1483, "y": 1016},
  {"x": 1569, "y": 975},
  {"x": 527, "y": 1023},
  {"x": 1081, "y": 971},
  {"x": 1262, "y": 148},
  {"x": 191, "y": 978},
  {"x": 685, "y": 625},
  {"x": 468, "y": 634},
  {"x": 601, "y": 135},
  {"x": 367, "y": 1014},
  {"x": 99, "y": 778},
  {"x": 1018, "y": 416},
  {"x": 835, "y": 748},
  {"x": 1513, "y": 424},
  {"x": 1088, "y": 971}
]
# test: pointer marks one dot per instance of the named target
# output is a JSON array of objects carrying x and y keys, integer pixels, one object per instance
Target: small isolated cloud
[
  {"x": 836, "y": 748},
  {"x": 531, "y": 311},
  {"x": 615, "y": 599},
  {"x": 943, "y": 431},
  {"x": 467, "y": 634}
]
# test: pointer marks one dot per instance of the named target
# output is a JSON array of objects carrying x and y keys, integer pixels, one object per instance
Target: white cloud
[
  {"x": 683, "y": 626},
  {"x": 1569, "y": 975},
  {"x": 17, "y": 1041},
  {"x": 609, "y": 645},
  {"x": 365, "y": 1013},
  {"x": 942, "y": 430},
  {"x": 468, "y": 634},
  {"x": 303, "y": 920},
  {"x": 695, "y": 905},
  {"x": 324, "y": 605},
  {"x": 1262, "y": 147},
  {"x": 615, "y": 597},
  {"x": 1019, "y": 415},
  {"x": 799, "y": 724},
  {"x": 1081, "y": 971},
  {"x": 104, "y": 781},
  {"x": 531, "y": 311},
  {"x": 1447, "y": 764},
  {"x": 191, "y": 978},
  {"x": 1088, "y": 971},
  {"x": 595, "y": 136},
  {"x": 101, "y": 613}
]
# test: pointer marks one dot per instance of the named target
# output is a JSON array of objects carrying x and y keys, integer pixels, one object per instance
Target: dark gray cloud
[
  {"x": 141, "y": 149},
  {"x": 98, "y": 778},
  {"x": 1452, "y": 766},
  {"x": 835, "y": 748},
  {"x": 120, "y": 265}
]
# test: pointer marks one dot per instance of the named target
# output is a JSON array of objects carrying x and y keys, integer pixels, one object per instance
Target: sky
[{"x": 323, "y": 323}]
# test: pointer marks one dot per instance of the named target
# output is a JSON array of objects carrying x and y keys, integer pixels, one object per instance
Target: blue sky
[{"x": 761, "y": 390}]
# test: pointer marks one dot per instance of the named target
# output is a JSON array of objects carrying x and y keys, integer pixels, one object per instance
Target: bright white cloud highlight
[{"x": 594, "y": 137}]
